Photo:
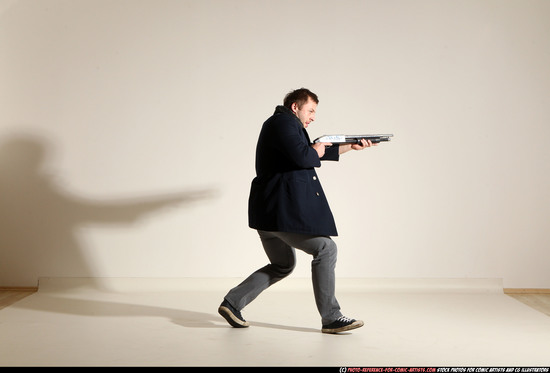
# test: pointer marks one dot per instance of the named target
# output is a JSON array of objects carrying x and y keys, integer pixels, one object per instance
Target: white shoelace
[{"x": 344, "y": 319}]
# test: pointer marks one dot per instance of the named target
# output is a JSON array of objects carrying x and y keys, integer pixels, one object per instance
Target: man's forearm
[{"x": 344, "y": 148}]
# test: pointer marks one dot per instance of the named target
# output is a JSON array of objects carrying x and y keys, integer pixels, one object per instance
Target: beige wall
[{"x": 111, "y": 109}]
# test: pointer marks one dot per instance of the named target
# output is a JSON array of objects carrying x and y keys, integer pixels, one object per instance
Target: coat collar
[
  {"x": 280, "y": 109},
  {"x": 284, "y": 110}
]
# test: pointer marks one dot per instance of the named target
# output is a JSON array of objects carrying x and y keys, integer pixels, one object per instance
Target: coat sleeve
[{"x": 332, "y": 153}]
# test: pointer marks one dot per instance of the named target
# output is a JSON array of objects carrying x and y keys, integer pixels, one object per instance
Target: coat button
[
  {"x": 317, "y": 194},
  {"x": 314, "y": 177}
]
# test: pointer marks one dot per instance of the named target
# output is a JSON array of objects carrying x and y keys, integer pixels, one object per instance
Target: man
[{"x": 289, "y": 210}]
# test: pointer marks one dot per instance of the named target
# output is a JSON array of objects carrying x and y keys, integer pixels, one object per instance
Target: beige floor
[{"x": 74, "y": 322}]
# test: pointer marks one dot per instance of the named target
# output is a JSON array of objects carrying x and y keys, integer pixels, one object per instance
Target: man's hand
[
  {"x": 320, "y": 148},
  {"x": 364, "y": 144}
]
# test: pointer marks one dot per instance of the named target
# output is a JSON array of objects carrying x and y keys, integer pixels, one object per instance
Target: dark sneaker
[
  {"x": 232, "y": 316},
  {"x": 342, "y": 324}
]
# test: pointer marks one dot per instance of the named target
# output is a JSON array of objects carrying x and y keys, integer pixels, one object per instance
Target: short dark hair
[{"x": 300, "y": 97}]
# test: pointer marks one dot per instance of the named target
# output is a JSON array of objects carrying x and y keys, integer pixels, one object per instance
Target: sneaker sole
[
  {"x": 233, "y": 320},
  {"x": 354, "y": 325}
]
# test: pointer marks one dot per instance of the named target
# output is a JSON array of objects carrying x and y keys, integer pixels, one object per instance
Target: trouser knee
[
  {"x": 328, "y": 252},
  {"x": 329, "y": 249},
  {"x": 282, "y": 271}
]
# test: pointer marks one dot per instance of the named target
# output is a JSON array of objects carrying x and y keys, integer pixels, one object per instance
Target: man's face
[{"x": 306, "y": 113}]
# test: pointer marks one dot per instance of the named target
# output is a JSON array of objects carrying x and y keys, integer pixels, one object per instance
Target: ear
[{"x": 294, "y": 107}]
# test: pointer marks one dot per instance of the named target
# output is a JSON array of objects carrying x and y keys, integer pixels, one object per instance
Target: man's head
[{"x": 303, "y": 104}]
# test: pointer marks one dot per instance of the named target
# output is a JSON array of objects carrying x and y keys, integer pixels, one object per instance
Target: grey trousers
[{"x": 280, "y": 249}]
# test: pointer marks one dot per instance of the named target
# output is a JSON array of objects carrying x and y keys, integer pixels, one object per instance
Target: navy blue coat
[{"x": 286, "y": 194}]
